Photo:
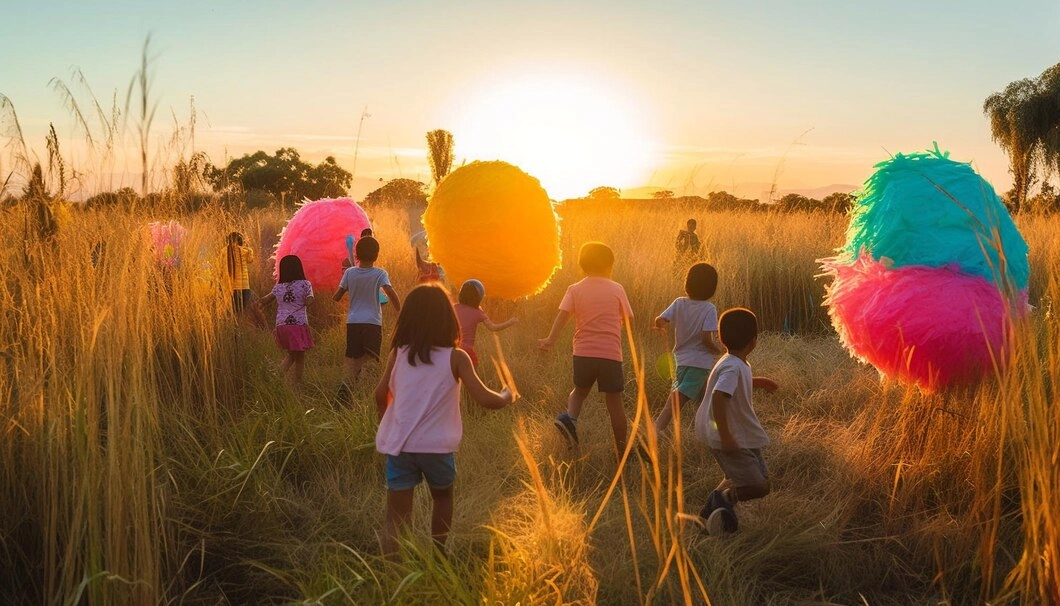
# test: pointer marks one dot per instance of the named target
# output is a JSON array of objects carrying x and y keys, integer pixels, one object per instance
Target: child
[
  {"x": 292, "y": 293},
  {"x": 364, "y": 320},
  {"x": 686, "y": 246},
  {"x": 469, "y": 314},
  {"x": 599, "y": 306},
  {"x": 727, "y": 422},
  {"x": 695, "y": 321},
  {"x": 239, "y": 258},
  {"x": 418, "y": 400}
]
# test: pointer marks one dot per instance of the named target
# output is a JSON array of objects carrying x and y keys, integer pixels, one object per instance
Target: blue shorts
[
  {"x": 406, "y": 470},
  {"x": 691, "y": 380}
]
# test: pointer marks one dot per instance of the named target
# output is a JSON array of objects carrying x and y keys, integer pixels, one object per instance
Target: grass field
[{"x": 152, "y": 453}]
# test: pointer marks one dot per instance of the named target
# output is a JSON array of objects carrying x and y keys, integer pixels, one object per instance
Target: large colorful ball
[
  {"x": 932, "y": 275},
  {"x": 166, "y": 239},
  {"x": 493, "y": 222},
  {"x": 317, "y": 234}
]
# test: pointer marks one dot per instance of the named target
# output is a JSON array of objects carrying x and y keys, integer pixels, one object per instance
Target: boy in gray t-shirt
[
  {"x": 364, "y": 319},
  {"x": 727, "y": 422}
]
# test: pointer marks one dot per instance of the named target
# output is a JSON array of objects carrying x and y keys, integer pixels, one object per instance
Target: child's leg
[
  {"x": 287, "y": 360},
  {"x": 671, "y": 410},
  {"x": 441, "y": 515},
  {"x": 353, "y": 368},
  {"x": 618, "y": 419},
  {"x": 398, "y": 514},
  {"x": 576, "y": 400},
  {"x": 297, "y": 365}
]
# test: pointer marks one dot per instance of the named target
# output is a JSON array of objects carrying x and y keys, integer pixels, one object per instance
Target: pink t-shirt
[
  {"x": 469, "y": 318},
  {"x": 424, "y": 416},
  {"x": 598, "y": 306}
]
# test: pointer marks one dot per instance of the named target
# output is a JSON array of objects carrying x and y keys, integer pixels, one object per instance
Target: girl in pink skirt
[{"x": 292, "y": 293}]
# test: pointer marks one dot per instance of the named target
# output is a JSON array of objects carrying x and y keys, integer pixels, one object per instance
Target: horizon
[{"x": 679, "y": 97}]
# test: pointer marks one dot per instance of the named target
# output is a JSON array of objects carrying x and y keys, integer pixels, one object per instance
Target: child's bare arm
[
  {"x": 710, "y": 341},
  {"x": 393, "y": 296},
  {"x": 338, "y": 294},
  {"x": 490, "y": 324},
  {"x": 382, "y": 390},
  {"x": 464, "y": 370},
  {"x": 764, "y": 383},
  {"x": 660, "y": 323},
  {"x": 269, "y": 298},
  {"x": 557, "y": 326}
]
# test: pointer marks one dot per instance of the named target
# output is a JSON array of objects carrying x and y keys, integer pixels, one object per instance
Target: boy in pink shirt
[{"x": 600, "y": 307}]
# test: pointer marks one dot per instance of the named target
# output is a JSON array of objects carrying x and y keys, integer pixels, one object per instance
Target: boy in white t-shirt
[
  {"x": 727, "y": 422},
  {"x": 695, "y": 321}
]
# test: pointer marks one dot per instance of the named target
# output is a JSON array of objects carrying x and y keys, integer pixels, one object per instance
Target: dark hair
[
  {"x": 290, "y": 269},
  {"x": 367, "y": 249},
  {"x": 701, "y": 281},
  {"x": 737, "y": 327},
  {"x": 366, "y": 232},
  {"x": 691, "y": 224},
  {"x": 426, "y": 320},
  {"x": 596, "y": 258},
  {"x": 470, "y": 295}
]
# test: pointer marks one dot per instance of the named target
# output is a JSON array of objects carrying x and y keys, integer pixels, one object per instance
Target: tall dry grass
[{"x": 152, "y": 453}]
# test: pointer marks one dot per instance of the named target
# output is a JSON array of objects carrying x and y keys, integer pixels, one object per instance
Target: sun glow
[{"x": 571, "y": 132}]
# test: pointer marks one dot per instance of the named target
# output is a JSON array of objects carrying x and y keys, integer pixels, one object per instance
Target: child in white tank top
[{"x": 418, "y": 400}]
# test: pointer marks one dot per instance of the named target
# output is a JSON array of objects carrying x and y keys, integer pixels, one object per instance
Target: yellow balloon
[{"x": 493, "y": 222}]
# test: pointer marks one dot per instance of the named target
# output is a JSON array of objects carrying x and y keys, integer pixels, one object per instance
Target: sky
[{"x": 690, "y": 96}]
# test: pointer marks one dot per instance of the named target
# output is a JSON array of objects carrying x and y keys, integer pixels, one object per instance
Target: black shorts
[
  {"x": 607, "y": 374},
  {"x": 363, "y": 340}
]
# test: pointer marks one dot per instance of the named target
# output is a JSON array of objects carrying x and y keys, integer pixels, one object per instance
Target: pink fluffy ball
[
  {"x": 167, "y": 241},
  {"x": 912, "y": 322},
  {"x": 317, "y": 235}
]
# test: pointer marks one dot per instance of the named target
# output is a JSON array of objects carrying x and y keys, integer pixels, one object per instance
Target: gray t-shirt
[
  {"x": 731, "y": 376},
  {"x": 362, "y": 285},
  {"x": 691, "y": 318}
]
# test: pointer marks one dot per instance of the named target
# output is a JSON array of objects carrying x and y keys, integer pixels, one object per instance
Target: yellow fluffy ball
[{"x": 493, "y": 222}]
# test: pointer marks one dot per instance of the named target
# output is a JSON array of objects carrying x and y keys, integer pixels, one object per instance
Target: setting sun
[{"x": 570, "y": 131}]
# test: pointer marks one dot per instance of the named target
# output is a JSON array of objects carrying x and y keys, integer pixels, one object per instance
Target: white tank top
[{"x": 424, "y": 415}]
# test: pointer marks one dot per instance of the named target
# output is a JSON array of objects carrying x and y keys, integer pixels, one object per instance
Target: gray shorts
[{"x": 744, "y": 467}]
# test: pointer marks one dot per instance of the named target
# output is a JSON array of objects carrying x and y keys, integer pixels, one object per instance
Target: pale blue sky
[{"x": 706, "y": 95}]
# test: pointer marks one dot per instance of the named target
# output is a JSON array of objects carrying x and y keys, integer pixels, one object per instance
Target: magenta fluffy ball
[
  {"x": 932, "y": 327},
  {"x": 167, "y": 241},
  {"x": 317, "y": 235}
]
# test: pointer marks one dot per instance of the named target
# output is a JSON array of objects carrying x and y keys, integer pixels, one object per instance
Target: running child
[
  {"x": 293, "y": 294},
  {"x": 470, "y": 315},
  {"x": 364, "y": 320},
  {"x": 727, "y": 422},
  {"x": 695, "y": 321},
  {"x": 600, "y": 307},
  {"x": 418, "y": 400}
]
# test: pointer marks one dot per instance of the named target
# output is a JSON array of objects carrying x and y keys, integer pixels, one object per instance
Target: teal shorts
[{"x": 691, "y": 380}]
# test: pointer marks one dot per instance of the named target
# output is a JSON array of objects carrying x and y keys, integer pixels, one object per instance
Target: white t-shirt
[
  {"x": 691, "y": 318},
  {"x": 362, "y": 285},
  {"x": 732, "y": 376}
]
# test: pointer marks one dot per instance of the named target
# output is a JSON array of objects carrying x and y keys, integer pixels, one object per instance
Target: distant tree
[
  {"x": 398, "y": 193},
  {"x": 1025, "y": 122},
  {"x": 838, "y": 202},
  {"x": 1047, "y": 200},
  {"x": 124, "y": 197},
  {"x": 791, "y": 202},
  {"x": 663, "y": 195},
  {"x": 284, "y": 176},
  {"x": 723, "y": 200},
  {"x": 440, "y": 148},
  {"x": 604, "y": 193}
]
